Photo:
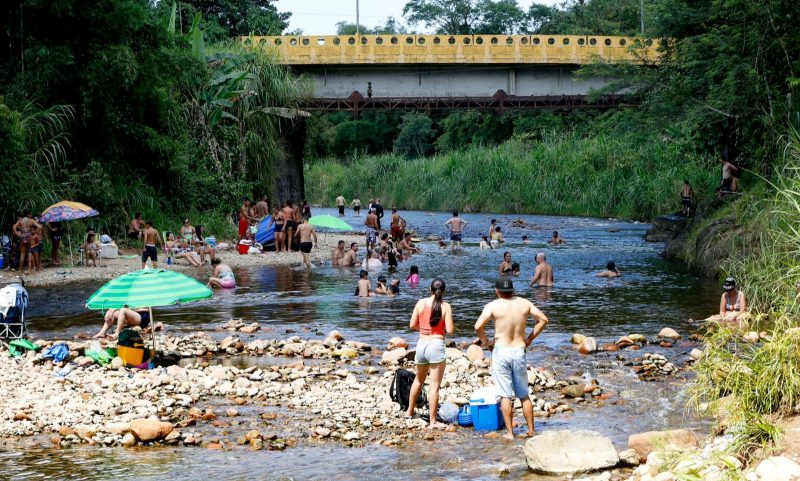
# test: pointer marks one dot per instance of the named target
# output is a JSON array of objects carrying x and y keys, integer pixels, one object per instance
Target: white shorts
[{"x": 430, "y": 351}]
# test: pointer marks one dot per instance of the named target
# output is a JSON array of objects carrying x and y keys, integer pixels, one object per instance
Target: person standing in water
[
  {"x": 556, "y": 240},
  {"x": 356, "y": 204},
  {"x": 543, "y": 275},
  {"x": 510, "y": 314},
  {"x": 505, "y": 267},
  {"x": 223, "y": 275},
  {"x": 378, "y": 208},
  {"x": 433, "y": 318},
  {"x": 372, "y": 229},
  {"x": 398, "y": 225},
  {"x": 306, "y": 232},
  {"x": 340, "y": 203},
  {"x": 456, "y": 226}
]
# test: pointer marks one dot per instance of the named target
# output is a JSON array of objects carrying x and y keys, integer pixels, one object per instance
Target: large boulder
[
  {"x": 146, "y": 430},
  {"x": 777, "y": 468},
  {"x": 395, "y": 355},
  {"x": 474, "y": 353},
  {"x": 569, "y": 452},
  {"x": 645, "y": 443},
  {"x": 669, "y": 333}
]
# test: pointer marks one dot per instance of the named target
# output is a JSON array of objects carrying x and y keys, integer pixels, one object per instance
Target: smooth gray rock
[{"x": 569, "y": 452}]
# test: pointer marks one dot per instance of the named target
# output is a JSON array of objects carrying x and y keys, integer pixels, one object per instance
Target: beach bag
[
  {"x": 165, "y": 359},
  {"x": 101, "y": 356},
  {"x": 57, "y": 353},
  {"x": 400, "y": 389}
]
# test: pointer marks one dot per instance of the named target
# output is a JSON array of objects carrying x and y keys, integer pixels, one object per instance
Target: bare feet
[
  {"x": 437, "y": 426},
  {"x": 528, "y": 434},
  {"x": 99, "y": 335},
  {"x": 509, "y": 436}
]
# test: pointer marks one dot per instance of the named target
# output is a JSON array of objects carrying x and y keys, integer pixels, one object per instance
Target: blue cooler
[{"x": 484, "y": 405}]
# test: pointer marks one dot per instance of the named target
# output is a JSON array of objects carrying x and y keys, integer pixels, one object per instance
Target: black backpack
[{"x": 400, "y": 389}]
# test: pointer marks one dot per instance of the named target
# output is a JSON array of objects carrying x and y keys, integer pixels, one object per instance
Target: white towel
[{"x": 8, "y": 299}]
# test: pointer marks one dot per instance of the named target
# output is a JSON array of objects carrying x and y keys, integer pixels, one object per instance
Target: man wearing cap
[{"x": 510, "y": 314}]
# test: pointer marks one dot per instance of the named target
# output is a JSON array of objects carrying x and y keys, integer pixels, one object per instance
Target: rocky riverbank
[
  {"x": 130, "y": 260},
  {"x": 331, "y": 389}
]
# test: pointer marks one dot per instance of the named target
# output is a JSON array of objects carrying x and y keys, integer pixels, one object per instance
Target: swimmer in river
[
  {"x": 525, "y": 240},
  {"x": 381, "y": 289},
  {"x": 556, "y": 240},
  {"x": 505, "y": 266},
  {"x": 223, "y": 275},
  {"x": 485, "y": 244},
  {"x": 306, "y": 232},
  {"x": 611, "y": 271},
  {"x": 497, "y": 237},
  {"x": 516, "y": 270},
  {"x": 364, "y": 286},
  {"x": 543, "y": 275},
  {"x": 350, "y": 257}
]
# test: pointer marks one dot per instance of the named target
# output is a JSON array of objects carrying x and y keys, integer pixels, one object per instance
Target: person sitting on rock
[
  {"x": 123, "y": 317},
  {"x": 732, "y": 304}
]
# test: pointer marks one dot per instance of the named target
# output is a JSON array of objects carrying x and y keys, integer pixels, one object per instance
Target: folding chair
[{"x": 13, "y": 302}]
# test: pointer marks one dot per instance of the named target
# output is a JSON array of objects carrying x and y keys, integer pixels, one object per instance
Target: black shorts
[
  {"x": 151, "y": 252},
  {"x": 133, "y": 235},
  {"x": 341, "y": 210},
  {"x": 727, "y": 185},
  {"x": 455, "y": 236},
  {"x": 357, "y": 208},
  {"x": 687, "y": 201},
  {"x": 305, "y": 247},
  {"x": 145, "y": 315}
]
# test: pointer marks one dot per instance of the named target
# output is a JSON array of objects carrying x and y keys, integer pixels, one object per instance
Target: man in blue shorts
[
  {"x": 456, "y": 226},
  {"x": 510, "y": 313}
]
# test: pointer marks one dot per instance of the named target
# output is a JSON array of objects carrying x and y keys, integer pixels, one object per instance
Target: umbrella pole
[{"x": 152, "y": 328}]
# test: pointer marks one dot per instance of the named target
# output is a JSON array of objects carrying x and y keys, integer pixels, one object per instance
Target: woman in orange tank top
[{"x": 432, "y": 317}]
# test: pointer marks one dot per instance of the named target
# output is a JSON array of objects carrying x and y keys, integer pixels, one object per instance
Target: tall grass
[{"x": 564, "y": 174}]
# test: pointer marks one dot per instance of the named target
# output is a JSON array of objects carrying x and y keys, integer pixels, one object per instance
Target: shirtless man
[
  {"x": 372, "y": 229},
  {"x": 350, "y": 258},
  {"x": 288, "y": 223},
  {"x": 398, "y": 225},
  {"x": 340, "y": 203},
  {"x": 306, "y": 232},
  {"x": 151, "y": 239},
  {"x": 22, "y": 229},
  {"x": 337, "y": 253},
  {"x": 509, "y": 368},
  {"x": 261, "y": 208},
  {"x": 556, "y": 240},
  {"x": 543, "y": 275},
  {"x": 356, "y": 204},
  {"x": 364, "y": 285},
  {"x": 136, "y": 227},
  {"x": 407, "y": 246},
  {"x": 456, "y": 226},
  {"x": 728, "y": 171}
]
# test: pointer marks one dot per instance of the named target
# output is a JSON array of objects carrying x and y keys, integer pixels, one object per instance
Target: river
[{"x": 652, "y": 294}]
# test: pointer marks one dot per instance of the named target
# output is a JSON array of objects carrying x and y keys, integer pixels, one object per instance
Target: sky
[{"x": 319, "y": 17}]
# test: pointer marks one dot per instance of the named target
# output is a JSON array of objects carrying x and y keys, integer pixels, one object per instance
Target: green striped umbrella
[{"x": 148, "y": 288}]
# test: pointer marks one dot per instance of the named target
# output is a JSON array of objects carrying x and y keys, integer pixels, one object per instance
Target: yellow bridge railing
[{"x": 456, "y": 49}]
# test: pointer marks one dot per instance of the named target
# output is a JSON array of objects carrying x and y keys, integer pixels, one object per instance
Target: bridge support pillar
[{"x": 287, "y": 180}]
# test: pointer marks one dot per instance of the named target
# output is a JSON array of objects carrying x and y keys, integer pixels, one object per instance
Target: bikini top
[{"x": 733, "y": 307}]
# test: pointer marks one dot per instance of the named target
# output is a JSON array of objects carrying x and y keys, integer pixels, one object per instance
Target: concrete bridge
[{"x": 445, "y": 72}]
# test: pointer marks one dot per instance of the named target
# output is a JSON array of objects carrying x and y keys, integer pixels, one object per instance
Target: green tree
[
  {"x": 416, "y": 134},
  {"x": 460, "y": 129},
  {"x": 500, "y": 17},
  {"x": 444, "y": 16},
  {"x": 224, "y": 19},
  {"x": 392, "y": 26}
]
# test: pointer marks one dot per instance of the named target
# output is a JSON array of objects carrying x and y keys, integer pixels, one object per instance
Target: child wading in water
[
  {"x": 413, "y": 276},
  {"x": 364, "y": 286}
]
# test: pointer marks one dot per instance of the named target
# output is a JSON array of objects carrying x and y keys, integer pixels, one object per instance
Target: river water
[{"x": 652, "y": 294}]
